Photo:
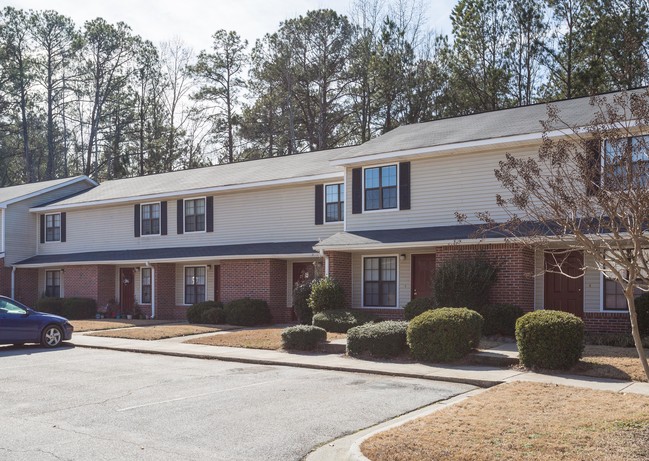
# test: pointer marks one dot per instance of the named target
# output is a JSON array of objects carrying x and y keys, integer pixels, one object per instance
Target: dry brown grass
[
  {"x": 524, "y": 421},
  {"x": 611, "y": 362},
  {"x": 110, "y": 324},
  {"x": 259, "y": 338},
  {"x": 157, "y": 332}
]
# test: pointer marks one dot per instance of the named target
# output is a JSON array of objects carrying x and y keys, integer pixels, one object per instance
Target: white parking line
[{"x": 198, "y": 395}]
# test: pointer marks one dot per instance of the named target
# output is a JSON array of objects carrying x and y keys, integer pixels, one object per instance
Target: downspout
[
  {"x": 326, "y": 260},
  {"x": 13, "y": 282},
  {"x": 153, "y": 293}
]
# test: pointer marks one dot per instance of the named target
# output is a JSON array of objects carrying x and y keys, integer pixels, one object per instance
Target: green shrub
[
  {"x": 50, "y": 305},
  {"x": 418, "y": 306},
  {"x": 642, "y": 309},
  {"x": 500, "y": 319},
  {"x": 196, "y": 312},
  {"x": 339, "y": 321},
  {"x": 326, "y": 294},
  {"x": 301, "y": 294},
  {"x": 214, "y": 316},
  {"x": 550, "y": 339},
  {"x": 79, "y": 308},
  {"x": 303, "y": 337},
  {"x": 464, "y": 282},
  {"x": 384, "y": 339},
  {"x": 247, "y": 312},
  {"x": 444, "y": 334}
]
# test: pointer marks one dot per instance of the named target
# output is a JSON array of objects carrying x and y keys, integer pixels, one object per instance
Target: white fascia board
[
  {"x": 170, "y": 260},
  {"x": 48, "y": 189},
  {"x": 188, "y": 192},
  {"x": 436, "y": 243}
]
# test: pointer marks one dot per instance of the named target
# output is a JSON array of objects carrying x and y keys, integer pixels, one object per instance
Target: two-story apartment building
[{"x": 378, "y": 217}]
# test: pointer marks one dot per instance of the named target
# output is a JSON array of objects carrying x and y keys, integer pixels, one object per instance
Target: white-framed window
[
  {"x": 53, "y": 284},
  {"x": 380, "y": 188},
  {"x": 195, "y": 284},
  {"x": 146, "y": 282},
  {"x": 380, "y": 281},
  {"x": 334, "y": 202},
  {"x": 53, "y": 227},
  {"x": 195, "y": 215},
  {"x": 150, "y": 218},
  {"x": 616, "y": 155},
  {"x": 613, "y": 295}
]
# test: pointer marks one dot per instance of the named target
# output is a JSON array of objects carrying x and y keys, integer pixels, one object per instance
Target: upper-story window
[
  {"x": 53, "y": 227},
  {"x": 334, "y": 202},
  {"x": 151, "y": 219},
  {"x": 195, "y": 215},
  {"x": 628, "y": 160},
  {"x": 381, "y": 188}
]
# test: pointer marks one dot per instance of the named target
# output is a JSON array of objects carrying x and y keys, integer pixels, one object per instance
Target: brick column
[
  {"x": 5, "y": 279},
  {"x": 26, "y": 285},
  {"x": 340, "y": 269},
  {"x": 95, "y": 282},
  {"x": 165, "y": 292}
]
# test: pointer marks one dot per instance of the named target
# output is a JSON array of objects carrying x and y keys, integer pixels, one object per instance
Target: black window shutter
[
  {"x": 594, "y": 165},
  {"x": 357, "y": 190},
  {"x": 319, "y": 204},
  {"x": 209, "y": 214},
  {"x": 136, "y": 220},
  {"x": 180, "y": 216},
  {"x": 63, "y": 231},
  {"x": 163, "y": 218},
  {"x": 404, "y": 185},
  {"x": 42, "y": 228}
]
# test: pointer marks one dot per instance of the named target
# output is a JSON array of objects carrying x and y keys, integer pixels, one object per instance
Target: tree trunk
[{"x": 628, "y": 293}]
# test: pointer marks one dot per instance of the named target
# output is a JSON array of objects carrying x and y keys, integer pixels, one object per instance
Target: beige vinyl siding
[
  {"x": 273, "y": 215},
  {"x": 22, "y": 227},
  {"x": 440, "y": 187},
  {"x": 404, "y": 277}
]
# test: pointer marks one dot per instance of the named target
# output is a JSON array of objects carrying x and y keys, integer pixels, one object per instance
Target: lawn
[
  {"x": 110, "y": 324},
  {"x": 158, "y": 332},
  {"x": 611, "y": 362},
  {"x": 259, "y": 338},
  {"x": 527, "y": 421}
]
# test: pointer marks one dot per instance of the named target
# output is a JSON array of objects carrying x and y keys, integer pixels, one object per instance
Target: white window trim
[
  {"x": 362, "y": 279},
  {"x": 60, "y": 228},
  {"x": 61, "y": 286},
  {"x": 142, "y": 234},
  {"x": 185, "y": 231},
  {"x": 142, "y": 285},
  {"x": 380, "y": 210},
  {"x": 601, "y": 299},
  {"x": 324, "y": 202},
  {"x": 185, "y": 285}
]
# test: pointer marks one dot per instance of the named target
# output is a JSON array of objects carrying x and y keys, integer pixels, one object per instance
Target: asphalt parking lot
[{"x": 85, "y": 404}]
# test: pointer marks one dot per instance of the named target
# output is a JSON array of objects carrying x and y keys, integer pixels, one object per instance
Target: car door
[{"x": 16, "y": 324}]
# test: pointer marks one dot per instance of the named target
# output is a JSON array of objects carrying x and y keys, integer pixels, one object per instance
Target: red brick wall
[
  {"x": 96, "y": 282},
  {"x": 165, "y": 293},
  {"x": 515, "y": 282},
  {"x": 5, "y": 279},
  {"x": 340, "y": 269},
  {"x": 600, "y": 322},
  {"x": 26, "y": 285}
]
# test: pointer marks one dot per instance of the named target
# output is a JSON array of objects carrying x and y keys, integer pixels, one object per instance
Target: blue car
[{"x": 19, "y": 325}]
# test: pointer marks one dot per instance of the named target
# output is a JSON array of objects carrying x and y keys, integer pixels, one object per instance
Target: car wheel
[{"x": 52, "y": 336}]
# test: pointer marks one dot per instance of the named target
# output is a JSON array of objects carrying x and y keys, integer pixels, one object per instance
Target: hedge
[
  {"x": 247, "y": 312},
  {"x": 70, "y": 308},
  {"x": 642, "y": 309},
  {"x": 50, "y": 305},
  {"x": 464, "y": 282},
  {"x": 339, "y": 321},
  {"x": 301, "y": 294},
  {"x": 197, "y": 312},
  {"x": 303, "y": 337},
  {"x": 550, "y": 339},
  {"x": 444, "y": 334},
  {"x": 418, "y": 306},
  {"x": 500, "y": 319},
  {"x": 326, "y": 294},
  {"x": 384, "y": 339}
]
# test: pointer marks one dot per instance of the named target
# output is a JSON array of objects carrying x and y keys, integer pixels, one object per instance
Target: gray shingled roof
[
  {"x": 12, "y": 193},
  {"x": 488, "y": 125},
  {"x": 153, "y": 254},
  {"x": 269, "y": 169}
]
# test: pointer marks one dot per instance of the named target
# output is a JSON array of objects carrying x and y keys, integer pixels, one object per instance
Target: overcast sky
[{"x": 194, "y": 21}]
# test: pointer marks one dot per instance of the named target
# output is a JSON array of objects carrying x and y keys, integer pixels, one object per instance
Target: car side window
[{"x": 10, "y": 308}]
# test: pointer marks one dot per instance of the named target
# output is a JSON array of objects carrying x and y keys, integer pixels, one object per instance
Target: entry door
[
  {"x": 127, "y": 289},
  {"x": 423, "y": 269},
  {"x": 561, "y": 292}
]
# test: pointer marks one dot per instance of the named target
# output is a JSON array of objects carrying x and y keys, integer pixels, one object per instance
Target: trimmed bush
[
  {"x": 326, "y": 294},
  {"x": 196, "y": 312},
  {"x": 214, "y": 316},
  {"x": 550, "y": 339},
  {"x": 303, "y": 337},
  {"x": 642, "y": 309},
  {"x": 464, "y": 282},
  {"x": 339, "y": 321},
  {"x": 247, "y": 312},
  {"x": 444, "y": 334},
  {"x": 79, "y": 308},
  {"x": 418, "y": 306},
  {"x": 301, "y": 294},
  {"x": 384, "y": 339},
  {"x": 500, "y": 319},
  {"x": 50, "y": 305}
]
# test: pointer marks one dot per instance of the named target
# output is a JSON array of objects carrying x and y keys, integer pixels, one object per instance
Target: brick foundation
[
  {"x": 5, "y": 279},
  {"x": 340, "y": 269},
  {"x": 600, "y": 322}
]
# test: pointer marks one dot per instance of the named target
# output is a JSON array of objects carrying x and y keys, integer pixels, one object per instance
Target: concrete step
[
  {"x": 493, "y": 358},
  {"x": 334, "y": 347}
]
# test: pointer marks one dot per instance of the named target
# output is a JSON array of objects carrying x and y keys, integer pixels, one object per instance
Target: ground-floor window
[
  {"x": 53, "y": 284},
  {"x": 146, "y": 285},
  {"x": 614, "y": 299},
  {"x": 194, "y": 285},
  {"x": 380, "y": 281}
]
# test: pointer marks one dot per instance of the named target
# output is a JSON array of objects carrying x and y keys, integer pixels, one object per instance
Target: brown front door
[
  {"x": 127, "y": 289},
  {"x": 564, "y": 292},
  {"x": 303, "y": 272},
  {"x": 423, "y": 269},
  {"x": 217, "y": 283}
]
